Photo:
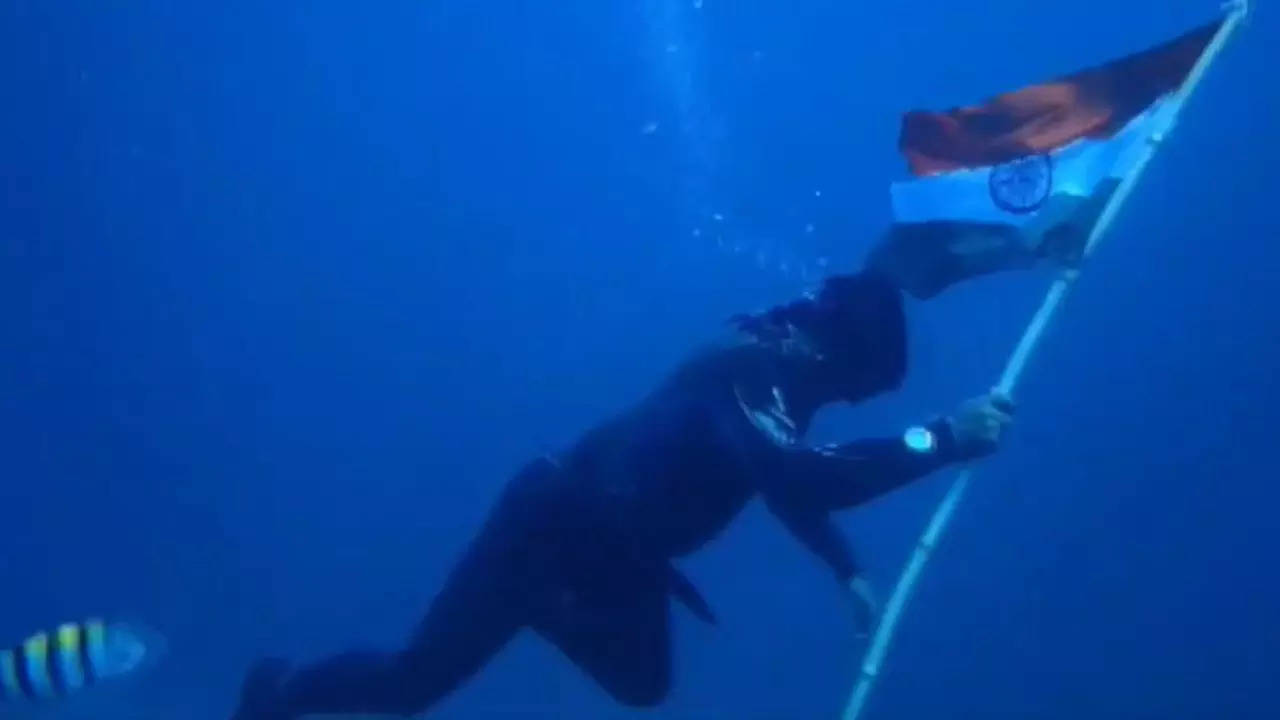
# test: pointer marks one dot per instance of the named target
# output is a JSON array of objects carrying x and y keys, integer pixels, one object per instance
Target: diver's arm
[
  {"x": 843, "y": 475},
  {"x": 815, "y": 530}
]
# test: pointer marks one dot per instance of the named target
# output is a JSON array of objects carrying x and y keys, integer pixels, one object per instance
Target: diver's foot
[{"x": 260, "y": 693}]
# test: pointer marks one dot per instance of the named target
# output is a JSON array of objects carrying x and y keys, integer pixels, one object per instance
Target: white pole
[{"x": 879, "y": 646}]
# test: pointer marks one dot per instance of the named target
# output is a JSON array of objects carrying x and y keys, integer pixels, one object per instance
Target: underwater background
[{"x": 289, "y": 289}]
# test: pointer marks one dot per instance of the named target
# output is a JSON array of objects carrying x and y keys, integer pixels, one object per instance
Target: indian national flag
[{"x": 1029, "y": 172}]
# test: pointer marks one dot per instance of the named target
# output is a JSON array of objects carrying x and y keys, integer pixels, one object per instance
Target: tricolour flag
[{"x": 1027, "y": 174}]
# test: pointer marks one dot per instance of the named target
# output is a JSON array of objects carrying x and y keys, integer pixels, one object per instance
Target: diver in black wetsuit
[{"x": 579, "y": 548}]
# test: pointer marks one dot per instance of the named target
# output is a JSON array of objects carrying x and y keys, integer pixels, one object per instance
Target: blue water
[{"x": 288, "y": 289}]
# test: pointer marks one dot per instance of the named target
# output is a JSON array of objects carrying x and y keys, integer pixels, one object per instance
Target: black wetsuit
[{"x": 579, "y": 548}]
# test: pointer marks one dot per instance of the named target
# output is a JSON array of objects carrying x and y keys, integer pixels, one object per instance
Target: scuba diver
[{"x": 579, "y": 548}]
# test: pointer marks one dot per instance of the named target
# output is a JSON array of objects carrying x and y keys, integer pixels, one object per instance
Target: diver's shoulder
[{"x": 720, "y": 363}]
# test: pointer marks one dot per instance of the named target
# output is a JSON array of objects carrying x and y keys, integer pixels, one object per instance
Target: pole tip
[{"x": 1236, "y": 7}]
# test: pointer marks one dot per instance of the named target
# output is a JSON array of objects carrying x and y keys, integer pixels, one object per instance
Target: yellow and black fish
[{"x": 77, "y": 655}]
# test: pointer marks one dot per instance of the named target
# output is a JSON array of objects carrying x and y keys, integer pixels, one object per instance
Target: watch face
[{"x": 920, "y": 440}]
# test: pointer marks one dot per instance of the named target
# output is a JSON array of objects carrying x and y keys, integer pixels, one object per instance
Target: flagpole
[{"x": 876, "y": 651}]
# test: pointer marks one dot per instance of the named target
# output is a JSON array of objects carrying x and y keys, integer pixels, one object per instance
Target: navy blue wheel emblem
[{"x": 1021, "y": 186}]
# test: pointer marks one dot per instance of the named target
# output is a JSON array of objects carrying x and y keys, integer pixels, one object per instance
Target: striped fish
[{"x": 76, "y": 655}]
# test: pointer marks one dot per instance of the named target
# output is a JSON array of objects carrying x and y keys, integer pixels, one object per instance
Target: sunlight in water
[{"x": 684, "y": 115}]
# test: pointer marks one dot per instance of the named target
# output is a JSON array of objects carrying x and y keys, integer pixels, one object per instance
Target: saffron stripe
[
  {"x": 1078, "y": 172},
  {"x": 1092, "y": 103}
]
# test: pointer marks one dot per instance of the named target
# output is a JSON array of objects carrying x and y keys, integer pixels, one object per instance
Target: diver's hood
[{"x": 851, "y": 337}]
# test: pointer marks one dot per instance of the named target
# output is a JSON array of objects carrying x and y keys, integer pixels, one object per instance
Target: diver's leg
[
  {"x": 452, "y": 647},
  {"x": 479, "y": 610},
  {"x": 470, "y": 620},
  {"x": 616, "y": 629}
]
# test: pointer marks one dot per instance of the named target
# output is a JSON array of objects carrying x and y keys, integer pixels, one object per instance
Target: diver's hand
[
  {"x": 866, "y": 608},
  {"x": 978, "y": 424}
]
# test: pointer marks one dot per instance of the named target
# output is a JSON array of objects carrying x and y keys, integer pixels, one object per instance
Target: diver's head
[
  {"x": 860, "y": 327},
  {"x": 853, "y": 331}
]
